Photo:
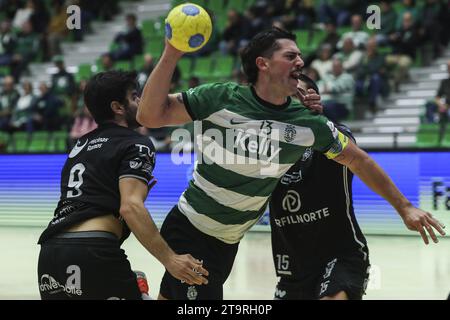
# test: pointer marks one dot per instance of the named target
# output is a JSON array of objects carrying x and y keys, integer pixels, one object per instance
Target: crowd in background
[{"x": 349, "y": 61}]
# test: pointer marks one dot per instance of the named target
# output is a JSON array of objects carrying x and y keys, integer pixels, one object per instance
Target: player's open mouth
[{"x": 296, "y": 74}]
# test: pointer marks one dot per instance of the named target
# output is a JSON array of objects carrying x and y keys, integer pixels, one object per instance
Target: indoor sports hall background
[{"x": 46, "y": 64}]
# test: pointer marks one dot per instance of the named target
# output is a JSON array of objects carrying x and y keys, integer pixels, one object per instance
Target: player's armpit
[
  {"x": 172, "y": 113},
  {"x": 175, "y": 112}
]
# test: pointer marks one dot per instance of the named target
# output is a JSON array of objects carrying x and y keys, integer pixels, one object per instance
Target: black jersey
[
  {"x": 312, "y": 217},
  {"x": 90, "y": 176}
]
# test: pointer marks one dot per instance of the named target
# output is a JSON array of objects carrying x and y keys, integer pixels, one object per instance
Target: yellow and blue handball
[{"x": 188, "y": 27}]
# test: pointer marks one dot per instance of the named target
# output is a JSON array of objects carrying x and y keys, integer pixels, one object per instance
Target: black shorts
[
  {"x": 218, "y": 258},
  {"x": 349, "y": 274},
  {"x": 85, "y": 265}
]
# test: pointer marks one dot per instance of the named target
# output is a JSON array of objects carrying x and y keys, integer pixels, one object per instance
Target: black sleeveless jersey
[
  {"x": 312, "y": 217},
  {"x": 91, "y": 173}
]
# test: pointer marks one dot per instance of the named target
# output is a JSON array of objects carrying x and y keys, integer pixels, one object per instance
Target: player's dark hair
[
  {"x": 106, "y": 87},
  {"x": 309, "y": 82},
  {"x": 264, "y": 44}
]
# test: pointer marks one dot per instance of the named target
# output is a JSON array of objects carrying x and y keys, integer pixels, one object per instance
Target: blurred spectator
[
  {"x": 8, "y": 99},
  {"x": 107, "y": 62},
  {"x": 39, "y": 17},
  {"x": 22, "y": 15},
  {"x": 408, "y": 6},
  {"x": 388, "y": 23},
  {"x": 437, "y": 110},
  {"x": 337, "y": 92},
  {"x": 27, "y": 49},
  {"x": 57, "y": 29},
  {"x": 433, "y": 18},
  {"x": 235, "y": 34},
  {"x": 193, "y": 82},
  {"x": 358, "y": 35},
  {"x": 78, "y": 105},
  {"x": 64, "y": 87},
  {"x": 331, "y": 38},
  {"x": 147, "y": 68},
  {"x": 294, "y": 13},
  {"x": 9, "y": 8},
  {"x": 278, "y": 24},
  {"x": 7, "y": 43},
  {"x": 373, "y": 70},
  {"x": 104, "y": 10},
  {"x": 340, "y": 10},
  {"x": 130, "y": 42},
  {"x": 350, "y": 56},
  {"x": 22, "y": 115},
  {"x": 405, "y": 43},
  {"x": 257, "y": 21},
  {"x": 82, "y": 124},
  {"x": 323, "y": 65},
  {"x": 63, "y": 82},
  {"x": 46, "y": 114}
]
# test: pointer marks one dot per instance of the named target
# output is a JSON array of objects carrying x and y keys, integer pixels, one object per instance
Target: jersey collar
[{"x": 268, "y": 104}]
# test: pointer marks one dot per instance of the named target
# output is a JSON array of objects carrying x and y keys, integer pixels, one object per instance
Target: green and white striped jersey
[{"x": 244, "y": 146}]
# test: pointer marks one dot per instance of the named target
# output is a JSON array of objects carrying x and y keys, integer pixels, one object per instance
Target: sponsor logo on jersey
[
  {"x": 192, "y": 293},
  {"x": 77, "y": 148},
  {"x": 304, "y": 218},
  {"x": 96, "y": 143},
  {"x": 291, "y": 201},
  {"x": 289, "y": 133},
  {"x": 234, "y": 122},
  {"x": 291, "y": 178},
  {"x": 307, "y": 154},
  {"x": 136, "y": 163},
  {"x": 145, "y": 150}
]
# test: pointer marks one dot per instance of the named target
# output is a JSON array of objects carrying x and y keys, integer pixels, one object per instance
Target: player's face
[
  {"x": 285, "y": 66},
  {"x": 131, "y": 109}
]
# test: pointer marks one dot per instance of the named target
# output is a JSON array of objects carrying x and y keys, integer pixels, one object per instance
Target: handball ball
[{"x": 188, "y": 27}]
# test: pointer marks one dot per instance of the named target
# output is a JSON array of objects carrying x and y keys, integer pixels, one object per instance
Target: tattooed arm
[{"x": 361, "y": 164}]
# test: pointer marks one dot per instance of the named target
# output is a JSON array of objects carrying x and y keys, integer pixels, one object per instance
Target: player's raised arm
[
  {"x": 361, "y": 164},
  {"x": 188, "y": 28},
  {"x": 157, "y": 108}
]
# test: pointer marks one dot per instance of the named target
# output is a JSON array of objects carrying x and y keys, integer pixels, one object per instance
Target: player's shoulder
[
  {"x": 219, "y": 87},
  {"x": 123, "y": 137},
  {"x": 135, "y": 137},
  {"x": 300, "y": 115}
]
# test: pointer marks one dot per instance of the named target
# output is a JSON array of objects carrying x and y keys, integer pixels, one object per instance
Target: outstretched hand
[
  {"x": 418, "y": 220},
  {"x": 172, "y": 50},
  {"x": 310, "y": 99},
  {"x": 187, "y": 269}
]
